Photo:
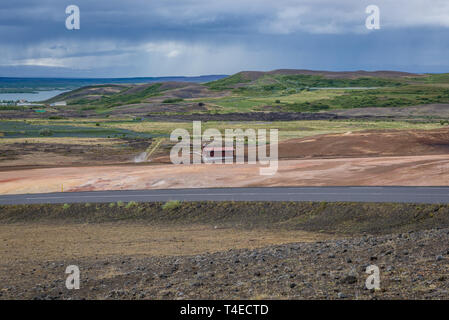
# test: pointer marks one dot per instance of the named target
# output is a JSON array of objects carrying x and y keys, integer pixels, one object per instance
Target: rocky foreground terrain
[
  {"x": 413, "y": 265},
  {"x": 225, "y": 250}
]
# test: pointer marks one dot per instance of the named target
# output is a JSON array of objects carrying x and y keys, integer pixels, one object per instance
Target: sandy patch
[
  {"x": 431, "y": 170},
  {"x": 69, "y": 241}
]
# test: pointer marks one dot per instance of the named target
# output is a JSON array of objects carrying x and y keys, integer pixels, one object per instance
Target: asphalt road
[{"x": 329, "y": 194}]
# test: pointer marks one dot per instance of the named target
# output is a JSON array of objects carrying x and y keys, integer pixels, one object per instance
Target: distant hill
[
  {"x": 284, "y": 78},
  {"x": 16, "y": 85},
  {"x": 254, "y": 75},
  {"x": 282, "y": 90}
]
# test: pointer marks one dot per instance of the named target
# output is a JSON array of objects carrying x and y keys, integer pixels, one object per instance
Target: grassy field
[
  {"x": 287, "y": 129},
  {"x": 63, "y": 129},
  {"x": 274, "y": 82},
  {"x": 242, "y": 103},
  {"x": 107, "y": 128},
  {"x": 295, "y": 92},
  {"x": 333, "y": 99},
  {"x": 64, "y": 140}
]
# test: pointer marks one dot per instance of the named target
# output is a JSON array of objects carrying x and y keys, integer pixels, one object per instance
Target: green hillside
[{"x": 255, "y": 91}]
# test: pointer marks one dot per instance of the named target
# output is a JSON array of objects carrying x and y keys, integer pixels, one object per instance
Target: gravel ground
[{"x": 413, "y": 265}]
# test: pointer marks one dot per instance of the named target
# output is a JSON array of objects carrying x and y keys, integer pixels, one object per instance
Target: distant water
[
  {"x": 47, "y": 88},
  {"x": 32, "y": 97}
]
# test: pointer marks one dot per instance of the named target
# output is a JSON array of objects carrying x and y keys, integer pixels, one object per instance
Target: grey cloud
[{"x": 169, "y": 37}]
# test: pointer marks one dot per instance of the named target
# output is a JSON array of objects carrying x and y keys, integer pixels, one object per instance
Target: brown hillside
[{"x": 368, "y": 143}]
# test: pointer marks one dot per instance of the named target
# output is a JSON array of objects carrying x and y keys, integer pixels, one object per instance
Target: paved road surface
[{"x": 329, "y": 194}]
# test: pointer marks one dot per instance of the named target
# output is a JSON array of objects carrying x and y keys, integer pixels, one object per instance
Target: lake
[{"x": 32, "y": 97}]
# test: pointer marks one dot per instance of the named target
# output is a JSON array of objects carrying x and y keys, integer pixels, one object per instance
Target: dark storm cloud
[
  {"x": 168, "y": 37},
  {"x": 126, "y": 20}
]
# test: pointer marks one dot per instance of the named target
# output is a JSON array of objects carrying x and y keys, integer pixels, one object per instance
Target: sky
[{"x": 144, "y": 38}]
